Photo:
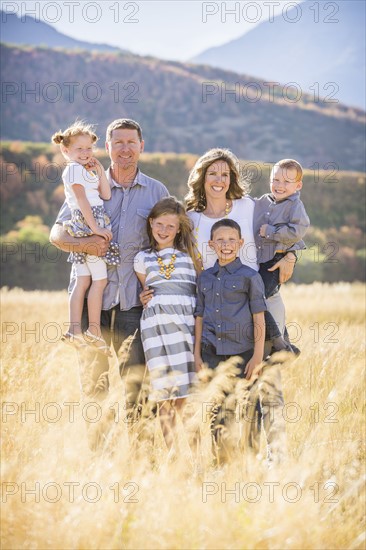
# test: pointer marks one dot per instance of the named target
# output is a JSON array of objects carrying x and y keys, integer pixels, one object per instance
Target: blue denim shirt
[
  {"x": 226, "y": 300},
  {"x": 128, "y": 210}
]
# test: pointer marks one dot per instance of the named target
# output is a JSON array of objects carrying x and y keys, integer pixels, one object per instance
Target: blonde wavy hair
[{"x": 196, "y": 197}]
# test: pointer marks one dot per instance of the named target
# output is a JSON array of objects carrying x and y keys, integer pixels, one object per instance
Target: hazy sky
[{"x": 167, "y": 29}]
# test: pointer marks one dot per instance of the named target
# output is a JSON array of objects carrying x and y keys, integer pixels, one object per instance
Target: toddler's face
[
  {"x": 226, "y": 243},
  {"x": 284, "y": 182},
  {"x": 80, "y": 149}
]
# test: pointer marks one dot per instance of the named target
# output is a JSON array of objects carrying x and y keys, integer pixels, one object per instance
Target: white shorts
[{"x": 94, "y": 267}]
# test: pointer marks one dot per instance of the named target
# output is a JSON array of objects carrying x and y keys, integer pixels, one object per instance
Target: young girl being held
[
  {"x": 169, "y": 267},
  {"x": 86, "y": 186}
]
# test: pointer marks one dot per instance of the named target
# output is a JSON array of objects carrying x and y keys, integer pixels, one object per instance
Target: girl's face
[
  {"x": 79, "y": 150},
  {"x": 164, "y": 230},
  {"x": 217, "y": 180}
]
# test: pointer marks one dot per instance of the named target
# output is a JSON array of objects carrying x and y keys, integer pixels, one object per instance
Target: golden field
[{"x": 56, "y": 493}]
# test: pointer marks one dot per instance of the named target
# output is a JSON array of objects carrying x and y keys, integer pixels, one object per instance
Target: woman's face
[{"x": 217, "y": 180}]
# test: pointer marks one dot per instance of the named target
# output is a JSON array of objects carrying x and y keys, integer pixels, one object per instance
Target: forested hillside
[
  {"x": 31, "y": 193},
  {"x": 181, "y": 107}
]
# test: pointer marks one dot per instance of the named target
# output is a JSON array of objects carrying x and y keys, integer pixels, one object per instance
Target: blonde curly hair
[{"x": 78, "y": 128}]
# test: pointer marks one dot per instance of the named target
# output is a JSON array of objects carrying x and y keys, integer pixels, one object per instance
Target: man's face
[
  {"x": 226, "y": 243},
  {"x": 124, "y": 149}
]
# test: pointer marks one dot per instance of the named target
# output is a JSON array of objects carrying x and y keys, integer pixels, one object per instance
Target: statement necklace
[
  {"x": 166, "y": 270},
  {"x": 228, "y": 208}
]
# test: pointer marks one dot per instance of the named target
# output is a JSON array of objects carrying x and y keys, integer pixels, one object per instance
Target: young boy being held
[
  {"x": 280, "y": 221},
  {"x": 230, "y": 305}
]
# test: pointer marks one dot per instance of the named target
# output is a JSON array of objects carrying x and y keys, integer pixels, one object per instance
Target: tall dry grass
[{"x": 130, "y": 494}]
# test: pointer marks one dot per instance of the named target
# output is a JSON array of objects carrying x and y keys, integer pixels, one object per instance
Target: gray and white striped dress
[{"x": 167, "y": 323}]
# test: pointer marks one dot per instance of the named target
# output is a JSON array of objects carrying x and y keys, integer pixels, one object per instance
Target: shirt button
[
  {"x": 234, "y": 286},
  {"x": 219, "y": 338},
  {"x": 218, "y": 278},
  {"x": 217, "y": 294},
  {"x": 217, "y": 311},
  {"x": 218, "y": 326},
  {"x": 267, "y": 213}
]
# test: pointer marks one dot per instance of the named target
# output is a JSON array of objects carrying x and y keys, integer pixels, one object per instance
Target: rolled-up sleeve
[
  {"x": 64, "y": 214},
  {"x": 257, "y": 300},
  {"x": 200, "y": 304}
]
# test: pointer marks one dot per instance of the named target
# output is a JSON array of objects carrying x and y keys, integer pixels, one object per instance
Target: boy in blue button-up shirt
[{"x": 230, "y": 305}]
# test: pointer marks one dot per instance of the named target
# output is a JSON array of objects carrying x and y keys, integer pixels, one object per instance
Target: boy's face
[
  {"x": 226, "y": 243},
  {"x": 284, "y": 182}
]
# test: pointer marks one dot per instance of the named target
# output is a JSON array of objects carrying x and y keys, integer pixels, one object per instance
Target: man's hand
[
  {"x": 94, "y": 245},
  {"x": 286, "y": 266},
  {"x": 146, "y": 295}
]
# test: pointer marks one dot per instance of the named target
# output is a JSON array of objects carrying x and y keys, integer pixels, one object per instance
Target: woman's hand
[
  {"x": 263, "y": 230},
  {"x": 286, "y": 266},
  {"x": 146, "y": 295}
]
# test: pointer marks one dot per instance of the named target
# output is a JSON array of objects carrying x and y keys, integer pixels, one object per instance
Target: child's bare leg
[
  {"x": 76, "y": 303},
  {"x": 167, "y": 417},
  {"x": 98, "y": 270},
  {"x": 95, "y": 298},
  {"x": 193, "y": 433}
]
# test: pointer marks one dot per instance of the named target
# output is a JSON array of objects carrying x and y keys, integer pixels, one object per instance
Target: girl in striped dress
[{"x": 169, "y": 267}]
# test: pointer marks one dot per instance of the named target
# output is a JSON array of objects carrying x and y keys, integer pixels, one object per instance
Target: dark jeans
[
  {"x": 261, "y": 401},
  {"x": 209, "y": 356},
  {"x": 272, "y": 330},
  {"x": 271, "y": 278},
  {"x": 117, "y": 326}
]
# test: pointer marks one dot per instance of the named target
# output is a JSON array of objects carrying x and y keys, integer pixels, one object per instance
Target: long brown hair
[
  {"x": 184, "y": 238},
  {"x": 196, "y": 197}
]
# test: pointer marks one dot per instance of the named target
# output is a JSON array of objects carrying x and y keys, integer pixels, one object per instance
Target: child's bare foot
[{"x": 98, "y": 343}]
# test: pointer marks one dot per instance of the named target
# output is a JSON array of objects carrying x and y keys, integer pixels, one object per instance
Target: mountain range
[
  {"x": 182, "y": 107},
  {"x": 318, "y": 45},
  {"x": 34, "y": 32}
]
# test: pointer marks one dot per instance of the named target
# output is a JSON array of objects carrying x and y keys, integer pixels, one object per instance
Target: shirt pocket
[
  {"x": 232, "y": 287},
  {"x": 207, "y": 288},
  {"x": 141, "y": 218}
]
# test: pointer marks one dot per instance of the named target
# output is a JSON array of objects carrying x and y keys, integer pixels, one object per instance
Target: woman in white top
[{"x": 216, "y": 191}]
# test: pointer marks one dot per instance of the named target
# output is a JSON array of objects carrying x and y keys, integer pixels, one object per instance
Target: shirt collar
[
  {"x": 231, "y": 268},
  {"x": 139, "y": 179},
  {"x": 294, "y": 197}
]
